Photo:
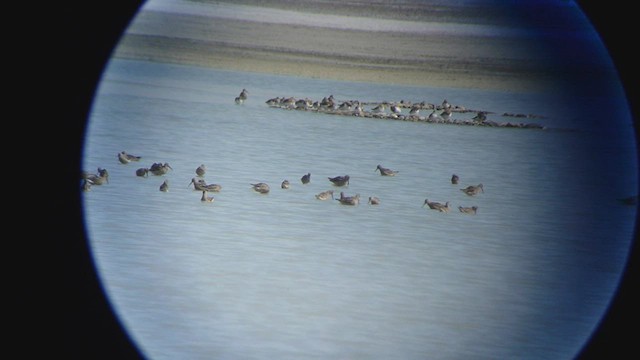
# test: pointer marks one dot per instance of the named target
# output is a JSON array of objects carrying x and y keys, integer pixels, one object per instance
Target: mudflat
[{"x": 440, "y": 57}]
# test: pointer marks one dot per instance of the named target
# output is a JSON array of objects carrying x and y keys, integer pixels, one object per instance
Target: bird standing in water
[
  {"x": 201, "y": 170},
  {"x": 164, "y": 187},
  {"x": 385, "y": 171},
  {"x": 262, "y": 188}
]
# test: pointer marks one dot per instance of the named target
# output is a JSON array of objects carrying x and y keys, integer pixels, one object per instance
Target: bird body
[
  {"x": 285, "y": 184},
  {"x": 349, "y": 200},
  {"x": 436, "y": 205},
  {"x": 340, "y": 180},
  {"x": 201, "y": 170},
  {"x": 164, "y": 187},
  {"x": 325, "y": 195},
  {"x": 454, "y": 179},
  {"x": 480, "y": 116},
  {"x": 142, "y": 172},
  {"x": 385, "y": 171},
  {"x": 201, "y": 185},
  {"x": 306, "y": 178},
  {"x": 125, "y": 158},
  {"x": 473, "y": 190},
  {"x": 102, "y": 177},
  {"x": 262, "y": 188},
  {"x": 159, "y": 168},
  {"x": 374, "y": 200},
  {"x": 471, "y": 210}
]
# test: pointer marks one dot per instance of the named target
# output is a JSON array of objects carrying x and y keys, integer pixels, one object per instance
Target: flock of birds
[
  {"x": 198, "y": 183},
  {"x": 393, "y": 110},
  {"x": 328, "y": 104}
]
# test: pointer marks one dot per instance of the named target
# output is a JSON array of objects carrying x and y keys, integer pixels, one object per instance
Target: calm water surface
[{"x": 286, "y": 276}]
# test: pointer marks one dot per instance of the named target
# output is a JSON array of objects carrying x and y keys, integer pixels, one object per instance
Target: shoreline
[
  {"x": 433, "y": 74},
  {"x": 442, "y": 60}
]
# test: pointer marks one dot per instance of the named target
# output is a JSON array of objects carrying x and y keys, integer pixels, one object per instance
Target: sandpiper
[
  {"x": 164, "y": 187},
  {"x": 200, "y": 184},
  {"x": 379, "y": 109},
  {"x": 244, "y": 94},
  {"x": 473, "y": 190},
  {"x": 374, "y": 200},
  {"x": 385, "y": 171},
  {"x": 127, "y": 158},
  {"x": 349, "y": 200},
  {"x": 262, "y": 188},
  {"x": 480, "y": 116},
  {"x": 306, "y": 178},
  {"x": 159, "y": 168},
  {"x": 142, "y": 172},
  {"x": 285, "y": 184},
  {"x": 471, "y": 210},
  {"x": 201, "y": 170},
  {"x": 454, "y": 179},
  {"x": 436, "y": 205},
  {"x": 446, "y": 114},
  {"x": 325, "y": 195},
  {"x": 340, "y": 180},
  {"x": 100, "y": 178}
]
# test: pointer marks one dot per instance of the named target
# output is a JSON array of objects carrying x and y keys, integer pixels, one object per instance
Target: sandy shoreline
[{"x": 496, "y": 63}]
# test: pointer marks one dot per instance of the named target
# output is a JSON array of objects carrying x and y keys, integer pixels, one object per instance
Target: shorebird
[
  {"x": 340, "y": 180},
  {"x": 445, "y": 104},
  {"x": 415, "y": 110},
  {"x": 395, "y": 109},
  {"x": 143, "y": 172},
  {"x": 325, "y": 195},
  {"x": 164, "y": 187},
  {"x": 374, "y": 200},
  {"x": 349, "y": 200},
  {"x": 200, "y": 184},
  {"x": 285, "y": 184},
  {"x": 244, "y": 94},
  {"x": 434, "y": 116},
  {"x": 436, "y": 205},
  {"x": 468, "y": 210},
  {"x": 127, "y": 158},
  {"x": 262, "y": 188},
  {"x": 273, "y": 101},
  {"x": 480, "y": 116},
  {"x": 206, "y": 198},
  {"x": 100, "y": 178},
  {"x": 159, "y": 168},
  {"x": 306, "y": 178},
  {"x": 446, "y": 114},
  {"x": 379, "y": 109},
  {"x": 473, "y": 190},
  {"x": 385, "y": 171},
  {"x": 201, "y": 170},
  {"x": 454, "y": 179}
]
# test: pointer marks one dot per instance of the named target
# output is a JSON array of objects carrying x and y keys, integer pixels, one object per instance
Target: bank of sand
[{"x": 437, "y": 60}]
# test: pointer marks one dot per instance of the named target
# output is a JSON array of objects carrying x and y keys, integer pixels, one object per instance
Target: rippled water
[{"x": 286, "y": 276}]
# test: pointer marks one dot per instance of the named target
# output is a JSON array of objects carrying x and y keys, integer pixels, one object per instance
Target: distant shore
[{"x": 450, "y": 60}]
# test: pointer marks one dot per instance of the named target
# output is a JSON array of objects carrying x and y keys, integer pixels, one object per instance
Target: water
[{"x": 286, "y": 276}]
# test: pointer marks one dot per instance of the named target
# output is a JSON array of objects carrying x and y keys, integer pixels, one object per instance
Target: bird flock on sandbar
[{"x": 397, "y": 110}]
